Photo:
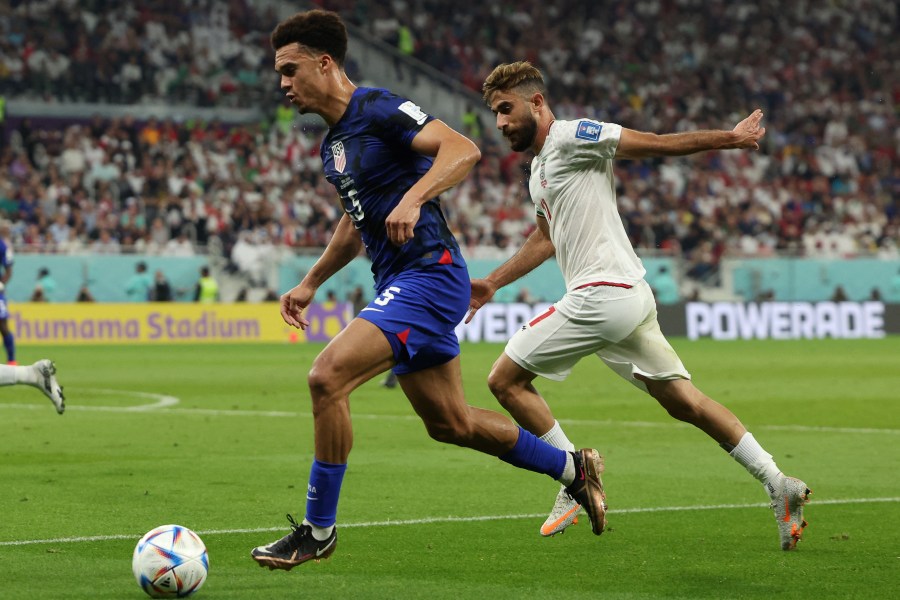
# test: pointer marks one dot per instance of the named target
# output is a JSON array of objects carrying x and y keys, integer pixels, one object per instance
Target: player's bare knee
[
  {"x": 498, "y": 385},
  {"x": 505, "y": 390},
  {"x": 322, "y": 381},
  {"x": 453, "y": 431}
]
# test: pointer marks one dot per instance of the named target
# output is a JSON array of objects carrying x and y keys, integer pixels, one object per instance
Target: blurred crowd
[
  {"x": 826, "y": 182},
  {"x": 197, "y": 52}
]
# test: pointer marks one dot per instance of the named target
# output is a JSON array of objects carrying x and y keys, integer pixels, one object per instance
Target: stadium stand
[{"x": 825, "y": 184}]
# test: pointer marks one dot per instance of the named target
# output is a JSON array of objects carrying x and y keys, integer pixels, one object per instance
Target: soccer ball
[{"x": 170, "y": 562}]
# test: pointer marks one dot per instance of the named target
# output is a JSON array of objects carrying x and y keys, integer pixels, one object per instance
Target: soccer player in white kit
[{"x": 608, "y": 309}]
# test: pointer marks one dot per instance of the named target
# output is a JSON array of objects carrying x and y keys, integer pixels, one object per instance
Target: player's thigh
[
  {"x": 436, "y": 393},
  {"x": 582, "y": 323},
  {"x": 645, "y": 354},
  {"x": 357, "y": 354},
  {"x": 550, "y": 345}
]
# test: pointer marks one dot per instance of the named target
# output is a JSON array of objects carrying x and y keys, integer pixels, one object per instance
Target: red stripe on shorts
[
  {"x": 540, "y": 318},
  {"x": 609, "y": 283}
]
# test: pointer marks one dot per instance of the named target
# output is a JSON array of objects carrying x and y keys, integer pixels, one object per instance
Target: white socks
[
  {"x": 556, "y": 437},
  {"x": 11, "y": 375},
  {"x": 758, "y": 462},
  {"x": 320, "y": 533}
]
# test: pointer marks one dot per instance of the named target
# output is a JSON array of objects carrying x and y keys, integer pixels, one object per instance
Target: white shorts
[{"x": 618, "y": 325}]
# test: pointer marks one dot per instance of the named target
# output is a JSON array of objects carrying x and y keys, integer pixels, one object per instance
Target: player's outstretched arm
[
  {"x": 454, "y": 156},
  {"x": 745, "y": 135},
  {"x": 344, "y": 246},
  {"x": 536, "y": 249}
]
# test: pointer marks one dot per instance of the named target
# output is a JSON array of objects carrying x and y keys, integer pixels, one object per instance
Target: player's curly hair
[
  {"x": 522, "y": 76},
  {"x": 318, "y": 30}
]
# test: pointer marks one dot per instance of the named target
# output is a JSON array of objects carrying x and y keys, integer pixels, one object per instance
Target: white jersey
[{"x": 572, "y": 187}]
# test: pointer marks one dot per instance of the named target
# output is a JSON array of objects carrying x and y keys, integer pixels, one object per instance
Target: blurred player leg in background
[
  {"x": 41, "y": 375},
  {"x": 390, "y": 380}
]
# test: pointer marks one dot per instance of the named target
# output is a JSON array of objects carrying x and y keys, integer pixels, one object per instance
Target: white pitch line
[
  {"x": 166, "y": 402},
  {"x": 450, "y": 519},
  {"x": 161, "y": 401},
  {"x": 799, "y": 428}
]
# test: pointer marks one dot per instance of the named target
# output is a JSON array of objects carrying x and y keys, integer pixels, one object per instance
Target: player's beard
[{"x": 522, "y": 138}]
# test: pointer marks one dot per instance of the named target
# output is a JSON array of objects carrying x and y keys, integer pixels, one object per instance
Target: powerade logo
[
  {"x": 588, "y": 131},
  {"x": 784, "y": 320}
]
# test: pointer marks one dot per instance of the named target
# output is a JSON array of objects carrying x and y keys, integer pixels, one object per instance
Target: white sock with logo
[{"x": 758, "y": 462}]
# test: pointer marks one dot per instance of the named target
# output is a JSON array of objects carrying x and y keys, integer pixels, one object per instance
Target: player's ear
[
  {"x": 537, "y": 100},
  {"x": 325, "y": 62}
]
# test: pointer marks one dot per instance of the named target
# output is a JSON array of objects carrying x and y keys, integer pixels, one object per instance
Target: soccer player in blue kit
[
  {"x": 6, "y": 264},
  {"x": 389, "y": 161}
]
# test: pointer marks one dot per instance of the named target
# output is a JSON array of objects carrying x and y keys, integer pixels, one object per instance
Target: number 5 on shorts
[{"x": 387, "y": 295}]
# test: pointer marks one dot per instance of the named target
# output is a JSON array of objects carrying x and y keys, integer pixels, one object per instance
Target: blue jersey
[
  {"x": 368, "y": 159},
  {"x": 6, "y": 261},
  {"x": 6, "y": 256}
]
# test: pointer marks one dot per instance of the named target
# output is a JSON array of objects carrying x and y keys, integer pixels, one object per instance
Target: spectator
[
  {"x": 45, "y": 286},
  {"x": 138, "y": 286},
  {"x": 84, "y": 295},
  {"x": 330, "y": 301},
  {"x": 665, "y": 288},
  {"x": 357, "y": 298},
  {"x": 179, "y": 246},
  {"x": 105, "y": 244},
  {"x": 162, "y": 291},
  {"x": 207, "y": 290},
  {"x": 525, "y": 296}
]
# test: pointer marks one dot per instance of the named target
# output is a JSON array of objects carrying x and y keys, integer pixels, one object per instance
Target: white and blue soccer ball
[{"x": 170, "y": 561}]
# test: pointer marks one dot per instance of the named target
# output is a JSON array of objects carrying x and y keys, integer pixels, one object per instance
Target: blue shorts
[
  {"x": 4, "y": 307},
  {"x": 418, "y": 312}
]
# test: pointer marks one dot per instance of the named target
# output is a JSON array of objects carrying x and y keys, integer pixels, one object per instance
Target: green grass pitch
[{"x": 219, "y": 438}]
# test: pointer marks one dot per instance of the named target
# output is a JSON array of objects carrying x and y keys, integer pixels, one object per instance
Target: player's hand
[
  {"x": 293, "y": 303},
  {"x": 401, "y": 222},
  {"x": 749, "y": 132},
  {"x": 482, "y": 292}
]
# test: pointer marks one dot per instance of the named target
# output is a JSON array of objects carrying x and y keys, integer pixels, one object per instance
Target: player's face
[
  {"x": 302, "y": 78},
  {"x": 515, "y": 119}
]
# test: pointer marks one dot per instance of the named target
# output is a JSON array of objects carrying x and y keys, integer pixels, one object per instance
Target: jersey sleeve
[
  {"x": 586, "y": 139},
  {"x": 7, "y": 255},
  {"x": 400, "y": 119}
]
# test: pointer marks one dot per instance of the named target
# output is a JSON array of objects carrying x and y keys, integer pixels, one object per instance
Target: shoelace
[
  {"x": 293, "y": 539},
  {"x": 294, "y": 524}
]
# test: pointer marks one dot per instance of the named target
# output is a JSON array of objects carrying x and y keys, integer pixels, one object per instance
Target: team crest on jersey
[
  {"x": 340, "y": 157},
  {"x": 588, "y": 131}
]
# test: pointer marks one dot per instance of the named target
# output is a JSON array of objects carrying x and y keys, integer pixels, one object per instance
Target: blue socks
[
  {"x": 9, "y": 342},
  {"x": 534, "y": 454},
  {"x": 323, "y": 492}
]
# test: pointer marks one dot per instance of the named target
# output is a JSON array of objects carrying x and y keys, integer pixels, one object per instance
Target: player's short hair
[
  {"x": 317, "y": 30},
  {"x": 521, "y": 77}
]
